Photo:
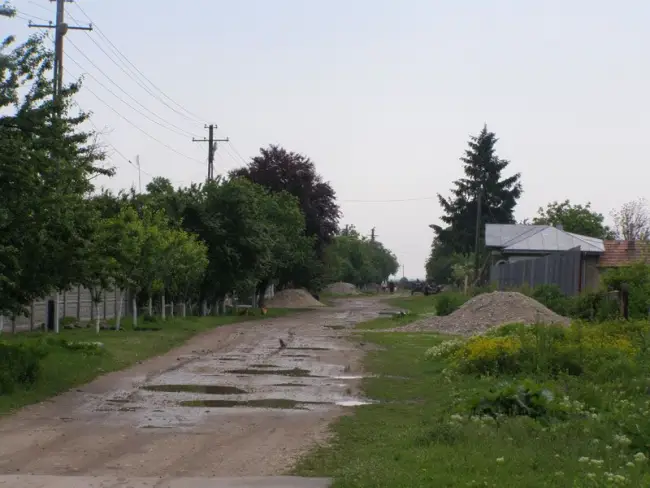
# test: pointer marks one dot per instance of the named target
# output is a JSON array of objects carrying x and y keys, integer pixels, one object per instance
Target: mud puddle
[
  {"x": 207, "y": 389},
  {"x": 296, "y": 372},
  {"x": 281, "y": 403},
  {"x": 336, "y": 327},
  {"x": 309, "y": 348},
  {"x": 286, "y": 385}
]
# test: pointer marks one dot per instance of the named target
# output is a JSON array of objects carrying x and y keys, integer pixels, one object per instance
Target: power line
[
  {"x": 118, "y": 52},
  {"x": 142, "y": 130},
  {"x": 30, "y": 16},
  {"x": 172, "y": 128},
  {"x": 419, "y": 199},
  {"x": 238, "y": 153}
]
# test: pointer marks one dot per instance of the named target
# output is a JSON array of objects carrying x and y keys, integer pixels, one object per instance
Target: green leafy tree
[
  {"x": 280, "y": 170},
  {"x": 578, "y": 219},
  {"x": 46, "y": 168},
  {"x": 483, "y": 174}
]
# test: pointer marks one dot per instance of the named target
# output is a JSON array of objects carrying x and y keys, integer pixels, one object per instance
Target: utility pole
[
  {"x": 212, "y": 148},
  {"x": 479, "y": 211},
  {"x": 60, "y": 30},
  {"x": 137, "y": 162},
  {"x": 372, "y": 235}
]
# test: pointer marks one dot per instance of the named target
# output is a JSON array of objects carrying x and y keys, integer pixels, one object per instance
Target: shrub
[
  {"x": 19, "y": 365},
  {"x": 552, "y": 297},
  {"x": 637, "y": 277},
  {"x": 485, "y": 355},
  {"x": 444, "y": 349},
  {"x": 449, "y": 302}
]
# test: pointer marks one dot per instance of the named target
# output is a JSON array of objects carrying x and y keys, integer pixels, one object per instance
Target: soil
[
  {"x": 293, "y": 299},
  {"x": 486, "y": 311},
  {"x": 342, "y": 288},
  {"x": 196, "y": 412}
]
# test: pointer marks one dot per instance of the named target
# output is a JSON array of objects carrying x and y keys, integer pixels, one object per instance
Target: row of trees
[
  {"x": 353, "y": 258},
  {"x": 453, "y": 247},
  {"x": 273, "y": 220}
]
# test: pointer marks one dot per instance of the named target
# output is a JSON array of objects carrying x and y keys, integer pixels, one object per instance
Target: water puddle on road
[
  {"x": 286, "y": 385},
  {"x": 282, "y": 403},
  {"x": 336, "y": 327},
  {"x": 354, "y": 403},
  {"x": 308, "y": 348},
  {"x": 207, "y": 389},
  {"x": 297, "y": 372}
]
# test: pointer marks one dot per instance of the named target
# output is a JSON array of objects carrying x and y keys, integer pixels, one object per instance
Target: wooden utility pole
[
  {"x": 212, "y": 148},
  {"x": 60, "y": 30},
  {"x": 477, "y": 237}
]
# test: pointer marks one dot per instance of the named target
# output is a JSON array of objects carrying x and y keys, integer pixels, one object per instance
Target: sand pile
[
  {"x": 293, "y": 299},
  {"x": 342, "y": 288},
  {"x": 486, "y": 311}
]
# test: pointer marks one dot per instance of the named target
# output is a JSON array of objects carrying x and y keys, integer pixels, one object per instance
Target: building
[
  {"x": 540, "y": 254},
  {"x": 624, "y": 253}
]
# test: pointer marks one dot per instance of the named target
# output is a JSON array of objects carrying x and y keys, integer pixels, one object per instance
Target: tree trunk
[
  {"x": 96, "y": 303},
  {"x": 150, "y": 306},
  {"x": 204, "y": 308},
  {"x": 2, "y": 323},
  {"x": 13, "y": 324},
  {"x": 171, "y": 309},
  {"x": 134, "y": 302},
  {"x": 162, "y": 306},
  {"x": 118, "y": 319},
  {"x": 261, "y": 292},
  {"x": 183, "y": 310},
  {"x": 31, "y": 317},
  {"x": 56, "y": 313}
]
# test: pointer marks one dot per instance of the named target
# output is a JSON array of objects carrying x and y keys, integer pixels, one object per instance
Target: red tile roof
[{"x": 623, "y": 253}]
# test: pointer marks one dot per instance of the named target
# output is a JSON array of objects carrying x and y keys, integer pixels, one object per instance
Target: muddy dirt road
[{"x": 229, "y": 403}]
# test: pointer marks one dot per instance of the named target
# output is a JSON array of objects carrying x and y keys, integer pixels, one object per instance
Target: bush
[
  {"x": 637, "y": 277},
  {"x": 449, "y": 302},
  {"x": 552, "y": 297},
  {"x": 19, "y": 365},
  {"x": 609, "y": 350}
]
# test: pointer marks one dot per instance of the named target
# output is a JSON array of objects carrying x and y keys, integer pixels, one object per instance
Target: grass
[
  {"x": 422, "y": 433},
  {"x": 63, "y": 368},
  {"x": 418, "y": 306}
]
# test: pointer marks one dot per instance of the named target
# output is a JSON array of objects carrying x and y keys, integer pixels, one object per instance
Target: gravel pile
[
  {"x": 293, "y": 299},
  {"x": 486, "y": 311},
  {"x": 342, "y": 288}
]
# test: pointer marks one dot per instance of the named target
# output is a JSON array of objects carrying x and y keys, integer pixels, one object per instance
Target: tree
[
  {"x": 578, "y": 219},
  {"x": 280, "y": 170},
  {"x": 46, "y": 167},
  {"x": 483, "y": 174},
  {"x": 632, "y": 221}
]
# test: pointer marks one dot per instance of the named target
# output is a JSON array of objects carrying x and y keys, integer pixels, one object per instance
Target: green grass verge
[
  {"x": 421, "y": 434},
  {"x": 63, "y": 368},
  {"x": 417, "y": 305}
]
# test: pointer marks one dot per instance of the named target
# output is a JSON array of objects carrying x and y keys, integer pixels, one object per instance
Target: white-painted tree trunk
[
  {"x": 171, "y": 309},
  {"x": 135, "y": 311},
  {"x": 96, "y": 303},
  {"x": 118, "y": 319},
  {"x": 184, "y": 310},
  {"x": 56, "y": 313},
  {"x": 162, "y": 307},
  {"x": 204, "y": 308},
  {"x": 150, "y": 306}
]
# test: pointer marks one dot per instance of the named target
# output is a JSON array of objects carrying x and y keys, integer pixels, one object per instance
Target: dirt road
[{"x": 229, "y": 403}]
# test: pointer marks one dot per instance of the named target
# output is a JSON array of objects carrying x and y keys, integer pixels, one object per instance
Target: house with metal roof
[{"x": 539, "y": 254}]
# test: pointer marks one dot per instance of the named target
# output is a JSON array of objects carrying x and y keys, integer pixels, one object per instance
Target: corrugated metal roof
[
  {"x": 497, "y": 235},
  {"x": 538, "y": 238}
]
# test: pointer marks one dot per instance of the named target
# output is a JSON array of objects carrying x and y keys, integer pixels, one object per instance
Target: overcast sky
[{"x": 381, "y": 95}]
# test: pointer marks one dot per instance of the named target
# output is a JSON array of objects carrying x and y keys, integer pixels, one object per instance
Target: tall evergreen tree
[{"x": 483, "y": 173}]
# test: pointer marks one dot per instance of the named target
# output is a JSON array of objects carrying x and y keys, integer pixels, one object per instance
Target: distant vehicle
[{"x": 426, "y": 288}]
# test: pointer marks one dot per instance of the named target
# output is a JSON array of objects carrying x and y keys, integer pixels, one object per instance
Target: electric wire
[
  {"x": 172, "y": 128},
  {"x": 197, "y": 119}
]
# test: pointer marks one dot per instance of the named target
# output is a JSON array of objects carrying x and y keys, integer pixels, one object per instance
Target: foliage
[
  {"x": 46, "y": 167},
  {"x": 578, "y": 219},
  {"x": 354, "y": 259},
  {"x": 632, "y": 221},
  {"x": 280, "y": 170},
  {"x": 483, "y": 174},
  {"x": 19, "y": 365},
  {"x": 637, "y": 277},
  {"x": 448, "y": 302}
]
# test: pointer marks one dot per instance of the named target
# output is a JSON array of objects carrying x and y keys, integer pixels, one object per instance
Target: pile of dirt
[
  {"x": 293, "y": 299},
  {"x": 486, "y": 311},
  {"x": 342, "y": 288}
]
